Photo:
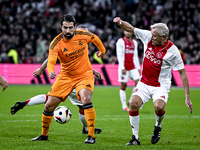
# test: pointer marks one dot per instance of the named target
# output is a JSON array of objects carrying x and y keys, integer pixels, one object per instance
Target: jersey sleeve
[
  {"x": 120, "y": 53},
  {"x": 135, "y": 57},
  {"x": 143, "y": 35},
  {"x": 52, "y": 58},
  {"x": 95, "y": 39},
  {"x": 177, "y": 60}
]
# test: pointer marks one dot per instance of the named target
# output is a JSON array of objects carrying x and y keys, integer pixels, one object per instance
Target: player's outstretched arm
[
  {"x": 40, "y": 70},
  {"x": 3, "y": 82},
  {"x": 98, "y": 75},
  {"x": 124, "y": 25},
  {"x": 186, "y": 89}
]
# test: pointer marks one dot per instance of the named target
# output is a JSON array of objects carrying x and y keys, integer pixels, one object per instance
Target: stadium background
[{"x": 28, "y": 26}]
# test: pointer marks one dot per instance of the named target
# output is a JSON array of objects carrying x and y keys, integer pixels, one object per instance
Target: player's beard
[{"x": 68, "y": 35}]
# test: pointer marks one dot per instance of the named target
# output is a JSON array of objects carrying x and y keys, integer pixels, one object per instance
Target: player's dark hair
[{"x": 67, "y": 18}]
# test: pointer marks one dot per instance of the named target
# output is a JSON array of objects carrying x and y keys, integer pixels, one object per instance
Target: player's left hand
[
  {"x": 189, "y": 104},
  {"x": 37, "y": 72},
  {"x": 52, "y": 75},
  {"x": 99, "y": 55}
]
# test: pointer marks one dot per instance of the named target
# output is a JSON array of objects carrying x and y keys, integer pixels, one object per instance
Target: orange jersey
[{"x": 73, "y": 53}]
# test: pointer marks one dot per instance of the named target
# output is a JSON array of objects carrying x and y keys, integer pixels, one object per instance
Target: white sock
[
  {"x": 159, "y": 120},
  {"x": 134, "y": 120},
  {"x": 39, "y": 99},
  {"x": 122, "y": 94},
  {"x": 83, "y": 121}
]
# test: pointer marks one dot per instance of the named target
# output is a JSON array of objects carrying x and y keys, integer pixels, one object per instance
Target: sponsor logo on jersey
[
  {"x": 152, "y": 57},
  {"x": 76, "y": 53},
  {"x": 129, "y": 51}
]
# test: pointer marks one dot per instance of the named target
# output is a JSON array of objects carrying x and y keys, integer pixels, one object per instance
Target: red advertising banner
[{"x": 23, "y": 74}]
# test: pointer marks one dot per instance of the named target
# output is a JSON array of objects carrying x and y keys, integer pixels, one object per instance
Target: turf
[{"x": 181, "y": 130}]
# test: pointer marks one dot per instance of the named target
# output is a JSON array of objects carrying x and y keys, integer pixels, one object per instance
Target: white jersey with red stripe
[
  {"x": 127, "y": 54},
  {"x": 158, "y": 61}
]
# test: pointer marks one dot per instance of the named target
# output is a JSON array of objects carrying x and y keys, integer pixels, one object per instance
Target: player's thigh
[
  {"x": 134, "y": 74},
  {"x": 52, "y": 103},
  {"x": 84, "y": 88},
  {"x": 160, "y": 97},
  {"x": 62, "y": 87},
  {"x": 141, "y": 90}
]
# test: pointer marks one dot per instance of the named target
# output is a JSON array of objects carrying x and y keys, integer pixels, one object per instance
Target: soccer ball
[{"x": 62, "y": 114}]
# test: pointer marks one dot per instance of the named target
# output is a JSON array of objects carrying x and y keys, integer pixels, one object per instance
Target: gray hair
[
  {"x": 162, "y": 29},
  {"x": 82, "y": 26}
]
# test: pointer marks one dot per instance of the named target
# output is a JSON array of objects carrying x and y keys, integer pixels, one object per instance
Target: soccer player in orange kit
[{"x": 71, "y": 48}]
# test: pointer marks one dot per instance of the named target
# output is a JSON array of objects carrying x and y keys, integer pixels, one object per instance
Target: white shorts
[
  {"x": 132, "y": 74},
  {"x": 147, "y": 92},
  {"x": 74, "y": 99}
]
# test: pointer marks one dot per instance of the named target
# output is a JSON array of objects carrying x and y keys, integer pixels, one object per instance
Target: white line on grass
[{"x": 113, "y": 117}]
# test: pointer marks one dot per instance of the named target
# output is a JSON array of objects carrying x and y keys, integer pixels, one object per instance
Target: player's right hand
[
  {"x": 99, "y": 54},
  {"x": 52, "y": 75},
  {"x": 124, "y": 71},
  {"x": 117, "y": 20},
  {"x": 37, "y": 72},
  {"x": 4, "y": 85}
]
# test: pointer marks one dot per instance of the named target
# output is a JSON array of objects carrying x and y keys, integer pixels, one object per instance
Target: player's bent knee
[
  {"x": 159, "y": 105},
  {"x": 86, "y": 100},
  {"x": 135, "y": 105}
]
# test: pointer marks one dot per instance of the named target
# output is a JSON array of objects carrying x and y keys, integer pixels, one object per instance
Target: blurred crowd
[{"x": 28, "y": 26}]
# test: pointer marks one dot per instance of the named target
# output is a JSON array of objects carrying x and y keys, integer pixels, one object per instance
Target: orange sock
[
  {"x": 90, "y": 116},
  {"x": 46, "y": 121}
]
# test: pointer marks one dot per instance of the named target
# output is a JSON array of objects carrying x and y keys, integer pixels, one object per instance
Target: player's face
[
  {"x": 127, "y": 34},
  {"x": 68, "y": 29},
  {"x": 156, "y": 38}
]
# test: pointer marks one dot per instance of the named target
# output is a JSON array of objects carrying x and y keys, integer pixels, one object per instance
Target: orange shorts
[{"x": 64, "y": 85}]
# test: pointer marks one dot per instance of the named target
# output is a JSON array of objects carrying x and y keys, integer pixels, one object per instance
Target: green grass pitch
[{"x": 180, "y": 129}]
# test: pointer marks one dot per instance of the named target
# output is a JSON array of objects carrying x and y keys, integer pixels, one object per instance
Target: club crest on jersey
[
  {"x": 80, "y": 42},
  {"x": 159, "y": 55}
]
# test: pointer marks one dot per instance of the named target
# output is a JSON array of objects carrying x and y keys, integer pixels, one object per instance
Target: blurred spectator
[
  {"x": 29, "y": 25},
  {"x": 13, "y": 56}
]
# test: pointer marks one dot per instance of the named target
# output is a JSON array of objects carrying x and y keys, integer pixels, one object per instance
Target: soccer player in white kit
[
  {"x": 160, "y": 56},
  {"x": 129, "y": 66}
]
